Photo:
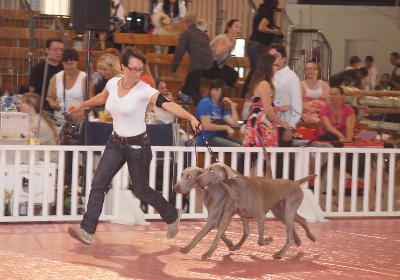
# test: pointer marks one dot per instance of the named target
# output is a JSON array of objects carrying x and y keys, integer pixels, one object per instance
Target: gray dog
[
  {"x": 215, "y": 198},
  {"x": 253, "y": 197}
]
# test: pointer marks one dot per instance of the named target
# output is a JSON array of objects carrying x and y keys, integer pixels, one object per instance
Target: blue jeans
[
  {"x": 114, "y": 157},
  {"x": 253, "y": 52}
]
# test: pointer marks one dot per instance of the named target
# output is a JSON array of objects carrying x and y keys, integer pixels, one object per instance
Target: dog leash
[{"x": 193, "y": 140}]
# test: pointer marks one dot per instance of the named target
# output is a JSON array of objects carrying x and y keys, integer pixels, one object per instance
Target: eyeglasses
[
  {"x": 311, "y": 68},
  {"x": 57, "y": 50},
  {"x": 136, "y": 70}
]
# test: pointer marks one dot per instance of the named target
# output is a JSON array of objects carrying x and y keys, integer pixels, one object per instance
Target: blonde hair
[
  {"x": 110, "y": 60},
  {"x": 33, "y": 99}
]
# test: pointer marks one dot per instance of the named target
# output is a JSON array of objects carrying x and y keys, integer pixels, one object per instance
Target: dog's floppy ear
[{"x": 229, "y": 172}]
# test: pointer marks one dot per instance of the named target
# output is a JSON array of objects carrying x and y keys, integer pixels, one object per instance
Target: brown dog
[
  {"x": 215, "y": 199},
  {"x": 253, "y": 197}
]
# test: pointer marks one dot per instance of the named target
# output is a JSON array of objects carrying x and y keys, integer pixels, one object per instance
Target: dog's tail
[
  {"x": 159, "y": 19},
  {"x": 305, "y": 179}
]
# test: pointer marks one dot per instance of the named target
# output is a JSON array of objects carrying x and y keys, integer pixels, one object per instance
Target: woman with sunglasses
[
  {"x": 126, "y": 99},
  {"x": 314, "y": 91}
]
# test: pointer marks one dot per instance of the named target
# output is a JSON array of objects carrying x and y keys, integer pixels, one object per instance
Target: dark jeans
[
  {"x": 138, "y": 157},
  {"x": 226, "y": 73},
  {"x": 192, "y": 85},
  {"x": 253, "y": 52},
  {"x": 279, "y": 157}
]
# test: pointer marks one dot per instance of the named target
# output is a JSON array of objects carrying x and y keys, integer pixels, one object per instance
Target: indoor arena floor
[{"x": 345, "y": 249}]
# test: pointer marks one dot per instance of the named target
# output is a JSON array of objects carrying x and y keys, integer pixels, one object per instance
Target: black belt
[{"x": 130, "y": 140}]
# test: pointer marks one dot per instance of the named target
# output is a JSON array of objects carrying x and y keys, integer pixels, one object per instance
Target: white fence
[{"x": 35, "y": 183}]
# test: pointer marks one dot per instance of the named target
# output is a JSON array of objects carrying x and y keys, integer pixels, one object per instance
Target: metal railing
[{"x": 44, "y": 181}]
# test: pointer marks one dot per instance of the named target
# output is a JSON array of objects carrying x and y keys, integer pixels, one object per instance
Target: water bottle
[
  {"x": 33, "y": 138},
  {"x": 8, "y": 99},
  {"x": 11, "y": 204}
]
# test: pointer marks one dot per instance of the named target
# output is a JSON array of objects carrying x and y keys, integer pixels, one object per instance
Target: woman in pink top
[
  {"x": 337, "y": 118},
  {"x": 314, "y": 92}
]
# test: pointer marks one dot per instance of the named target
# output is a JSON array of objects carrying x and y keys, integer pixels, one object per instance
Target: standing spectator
[
  {"x": 126, "y": 99},
  {"x": 117, "y": 12},
  {"x": 54, "y": 51},
  {"x": 172, "y": 8},
  {"x": 68, "y": 87},
  {"x": 264, "y": 33},
  {"x": 354, "y": 62},
  {"x": 395, "y": 60},
  {"x": 370, "y": 80},
  {"x": 314, "y": 91},
  {"x": 263, "y": 119},
  {"x": 287, "y": 92},
  {"x": 196, "y": 43},
  {"x": 222, "y": 46}
]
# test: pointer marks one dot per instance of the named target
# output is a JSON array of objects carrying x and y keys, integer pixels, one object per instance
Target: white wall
[{"x": 353, "y": 30}]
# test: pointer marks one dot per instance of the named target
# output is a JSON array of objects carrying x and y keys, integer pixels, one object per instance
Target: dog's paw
[
  {"x": 266, "y": 241},
  {"x": 185, "y": 250},
  {"x": 277, "y": 256},
  {"x": 207, "y": 255}
]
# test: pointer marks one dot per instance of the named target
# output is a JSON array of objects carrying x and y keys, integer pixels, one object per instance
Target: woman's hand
[
  {"x": 74, "y": 108},
  {"x": 229, "y": 130},
  {"x": 228, "y": 101},
  {"x": 282, "y": 108},
  {"x": 77, "y": 118},
  {"x": 196, "y": 125}
]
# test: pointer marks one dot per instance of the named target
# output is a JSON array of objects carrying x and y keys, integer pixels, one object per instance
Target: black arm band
[{"x": 160, "y": 100}]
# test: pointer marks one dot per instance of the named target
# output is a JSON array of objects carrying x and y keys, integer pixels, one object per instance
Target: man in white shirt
[
  {"x": 370, "y": 80},
  {"x": 287, "y": 91}
]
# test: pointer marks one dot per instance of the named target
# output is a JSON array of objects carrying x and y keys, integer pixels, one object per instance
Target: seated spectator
[
  {"x": 349, "y": 78},
  {"x": 337, "y": 118},
  {"x": 210, "y": 111},
  {"x": 108, "y": 66},
  {"x": 315, "y": 93},
  {"x": 385, "y": 82},
  {"x": 147, "y": 77},
  {"x": 354, "y": 62},
  {"x": 222, "y": 46},
  {"x": 30, "y": 104},
  {"x": 160, "y": 115}
]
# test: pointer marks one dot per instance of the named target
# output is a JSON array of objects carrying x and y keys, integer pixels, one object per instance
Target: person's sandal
[{"x": 174, "y": 227}]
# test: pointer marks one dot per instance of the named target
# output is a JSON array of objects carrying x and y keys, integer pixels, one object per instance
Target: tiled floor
[{"x": 345, "y": 249}]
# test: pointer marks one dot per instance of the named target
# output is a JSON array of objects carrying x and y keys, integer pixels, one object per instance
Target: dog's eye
[
  {"x": 211, "y": 171},
  {"x": 190, "y": 177}
]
